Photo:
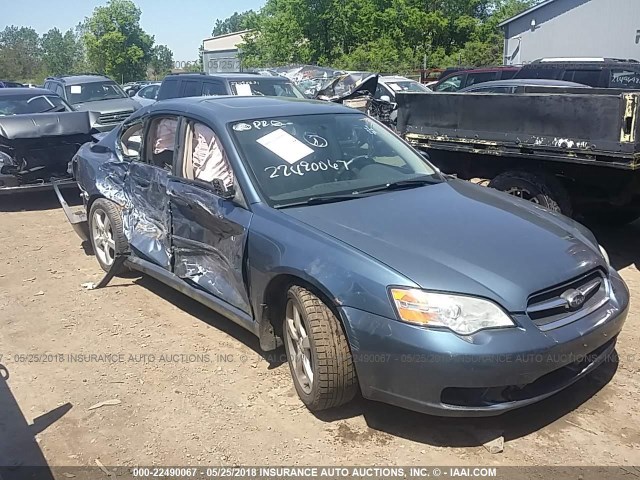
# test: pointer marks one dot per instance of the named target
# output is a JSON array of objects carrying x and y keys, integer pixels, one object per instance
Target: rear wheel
[
  {"x": 318, "y": 352},
  {"x": 542, "y": 189},
  {"x": 107, "y": 235}
]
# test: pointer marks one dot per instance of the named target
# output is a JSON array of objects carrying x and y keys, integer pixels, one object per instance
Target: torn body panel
[
  {"x": 209, "y": 241},
  {"x": 36, "y": 149},
  {"x": 146, "y": 218}
]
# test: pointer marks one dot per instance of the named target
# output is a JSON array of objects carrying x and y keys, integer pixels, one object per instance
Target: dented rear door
[{"x": 209, "y": 241}]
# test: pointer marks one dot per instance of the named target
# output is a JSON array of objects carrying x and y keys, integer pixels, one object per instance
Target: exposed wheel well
[{"x": 275, "y": 303}]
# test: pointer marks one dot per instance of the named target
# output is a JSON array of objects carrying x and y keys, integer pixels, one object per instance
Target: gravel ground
[{"x": 185, "y": 386}]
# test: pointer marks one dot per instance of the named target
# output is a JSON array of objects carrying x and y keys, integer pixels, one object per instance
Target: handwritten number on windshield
[{"x": 302, "y": 168}]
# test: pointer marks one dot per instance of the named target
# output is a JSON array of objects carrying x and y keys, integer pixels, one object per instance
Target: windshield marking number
[{"x": 304, "y": 167}]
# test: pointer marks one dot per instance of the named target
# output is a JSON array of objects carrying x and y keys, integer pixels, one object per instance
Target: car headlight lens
[
  {"x": 605, "y": 255},
  {"x": 462, "y": 315}
]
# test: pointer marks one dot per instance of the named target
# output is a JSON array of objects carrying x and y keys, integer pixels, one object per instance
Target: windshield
[
  {"x": 407, "y": 86},
  {"x": 298, "y": 158},
  {"x": 25, "y": 104},
  {"x": 94, "y": 92},
  {"x": 265, "y": 88}
]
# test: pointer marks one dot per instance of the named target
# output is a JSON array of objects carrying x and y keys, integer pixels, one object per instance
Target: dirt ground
[{"x": 192, "y": 388}]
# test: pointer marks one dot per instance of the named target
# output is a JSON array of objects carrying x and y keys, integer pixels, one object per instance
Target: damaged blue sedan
[{"x": 317, "y": 228}]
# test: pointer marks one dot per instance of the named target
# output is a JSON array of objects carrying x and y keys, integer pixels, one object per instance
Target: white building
[
  {"x": 221, "y": 53},
  {"x": 574, "y": 28}
]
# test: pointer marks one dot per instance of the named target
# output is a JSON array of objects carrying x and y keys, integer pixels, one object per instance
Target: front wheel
[
  {"x": 107, "y": 235},
  {"x": 318, "y": 352}
]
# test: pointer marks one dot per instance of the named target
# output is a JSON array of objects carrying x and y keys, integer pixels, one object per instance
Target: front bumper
[{"x": 487, "y": 373}]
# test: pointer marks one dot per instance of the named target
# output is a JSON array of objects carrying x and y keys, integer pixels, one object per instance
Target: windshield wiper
[
  {"x": 321, "y": 200},
  {"x": 400, "y": 184}
]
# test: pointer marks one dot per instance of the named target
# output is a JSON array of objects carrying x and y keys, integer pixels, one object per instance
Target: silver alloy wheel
[
  {"x": 102, "y": 234},
  {"x": 522, "y": 193},
  {"x": 299, "y": 347}
]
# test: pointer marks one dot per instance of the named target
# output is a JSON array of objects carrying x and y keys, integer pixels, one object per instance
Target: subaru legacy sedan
[{"x": 315, "y": 227}]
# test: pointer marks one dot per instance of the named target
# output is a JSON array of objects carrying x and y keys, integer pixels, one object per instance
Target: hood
[
  {"x": 459, "y": 237},
  {"x": 108, "y": 106},
  {"x": 349, "y": 86},
  {"x": 38, "y": 125}
]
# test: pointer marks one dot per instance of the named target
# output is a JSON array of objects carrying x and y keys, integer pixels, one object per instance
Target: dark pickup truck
[{"x": 571, "y": 150}]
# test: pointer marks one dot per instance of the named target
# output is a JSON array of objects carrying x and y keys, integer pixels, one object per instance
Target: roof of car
[
  {"x": 518, "y": 82},
  {"x": 5, "y": 92},
  {"x": 229, "y": 76},
  {"x": 79, "y": 79},
  {"x": 395, "y": 78},
  {"x": 234, "y": 108}
]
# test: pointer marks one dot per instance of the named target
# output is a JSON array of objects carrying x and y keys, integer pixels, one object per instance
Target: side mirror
[
  {"x": 131, "y": 93},
  {"x": 385, "y": 98},
  {"x": 222, "y": 191}
]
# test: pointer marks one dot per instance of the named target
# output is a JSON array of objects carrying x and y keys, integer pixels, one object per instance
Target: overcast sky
[{"x": 181, "y": 25}]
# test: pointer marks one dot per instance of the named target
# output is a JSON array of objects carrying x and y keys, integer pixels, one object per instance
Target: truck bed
[{"x": 596, "y": 128}]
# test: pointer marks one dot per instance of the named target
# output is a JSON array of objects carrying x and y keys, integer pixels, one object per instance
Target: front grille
[
  {"x": 114, "y": 117},
  {"x": 570, "y": 301}
]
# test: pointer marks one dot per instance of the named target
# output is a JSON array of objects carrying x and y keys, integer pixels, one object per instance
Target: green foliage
[
  {"x": 161, "y": 61},
  {"x": 20, "y": 54},
  {"x": 115, "y": 43},
  {"x": 380, "y": 35},
  {"x": 235, "y": 23},
  {"x": 61, "y": 54}
]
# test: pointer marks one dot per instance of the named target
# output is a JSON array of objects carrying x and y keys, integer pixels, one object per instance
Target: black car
[
  {"x": 8, "y": 84},
  {"x": 39, "y": 134},
  {"x": 594, "y": 72},
  {"x": 243, "y": 84}
]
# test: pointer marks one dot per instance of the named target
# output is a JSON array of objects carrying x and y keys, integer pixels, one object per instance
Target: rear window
[
  {"x": 168, "y": 89},
  {"x": 623, "y": 78}
]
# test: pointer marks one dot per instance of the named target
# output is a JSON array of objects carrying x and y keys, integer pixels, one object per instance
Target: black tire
[
  {"x": 334, "y": 376},
  {"x": 112, "y": 211},
  {"x": 542, "y": 189}
]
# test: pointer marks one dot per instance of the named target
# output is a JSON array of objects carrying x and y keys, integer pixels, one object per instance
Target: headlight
[
  {"x": 605, "y": 255},
  {"x": 462, "y": 315}
]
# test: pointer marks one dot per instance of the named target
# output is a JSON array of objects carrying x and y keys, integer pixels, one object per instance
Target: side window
[
  {"x": 585, "y": 77},
  {"x": 452, "y": 84},
  {"x": 149, "y": 92},
  {"x": 161, "y": 142},
  {"x": 475, "y": 78},
  {"x": 192, "y": 88},
  {"x": 213, "y": 88},
  {"x": 508, "y": 74},
  {"x": 204, "y": 156},
  {"x": 169, "y": 88},
  {"x": 59, "y": 90},
  {"x": 623, "y": 78},
  {"x": 131, "y": 141}
]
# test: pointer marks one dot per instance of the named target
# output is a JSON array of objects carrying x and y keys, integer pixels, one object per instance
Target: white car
[
  {"x": 147, "y": 94},
  {"x": 389, "y": 86}
]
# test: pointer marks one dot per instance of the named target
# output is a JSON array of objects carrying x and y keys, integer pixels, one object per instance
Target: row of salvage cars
[{"x": 318, "y": 229}]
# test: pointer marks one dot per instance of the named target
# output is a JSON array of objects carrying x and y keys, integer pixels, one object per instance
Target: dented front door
[
  {"x": 147, "y": 221},
  {"x": 209, "y": 241}
]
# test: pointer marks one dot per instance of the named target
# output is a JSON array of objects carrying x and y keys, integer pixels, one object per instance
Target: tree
[
  {"x": 20, "y": 53},
  {"x": 60, "y": 53},
  {"x": 161, "y": 60},
  {"x": 381, "y": 35},
  {"x": 234, "y": 23},
  {"x": 115, "y": 43}
]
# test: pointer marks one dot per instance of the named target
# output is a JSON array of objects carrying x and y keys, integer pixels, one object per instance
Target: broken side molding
[
  {"x": 215, "y": 304},
  {"x": 77, "y": 219}
]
